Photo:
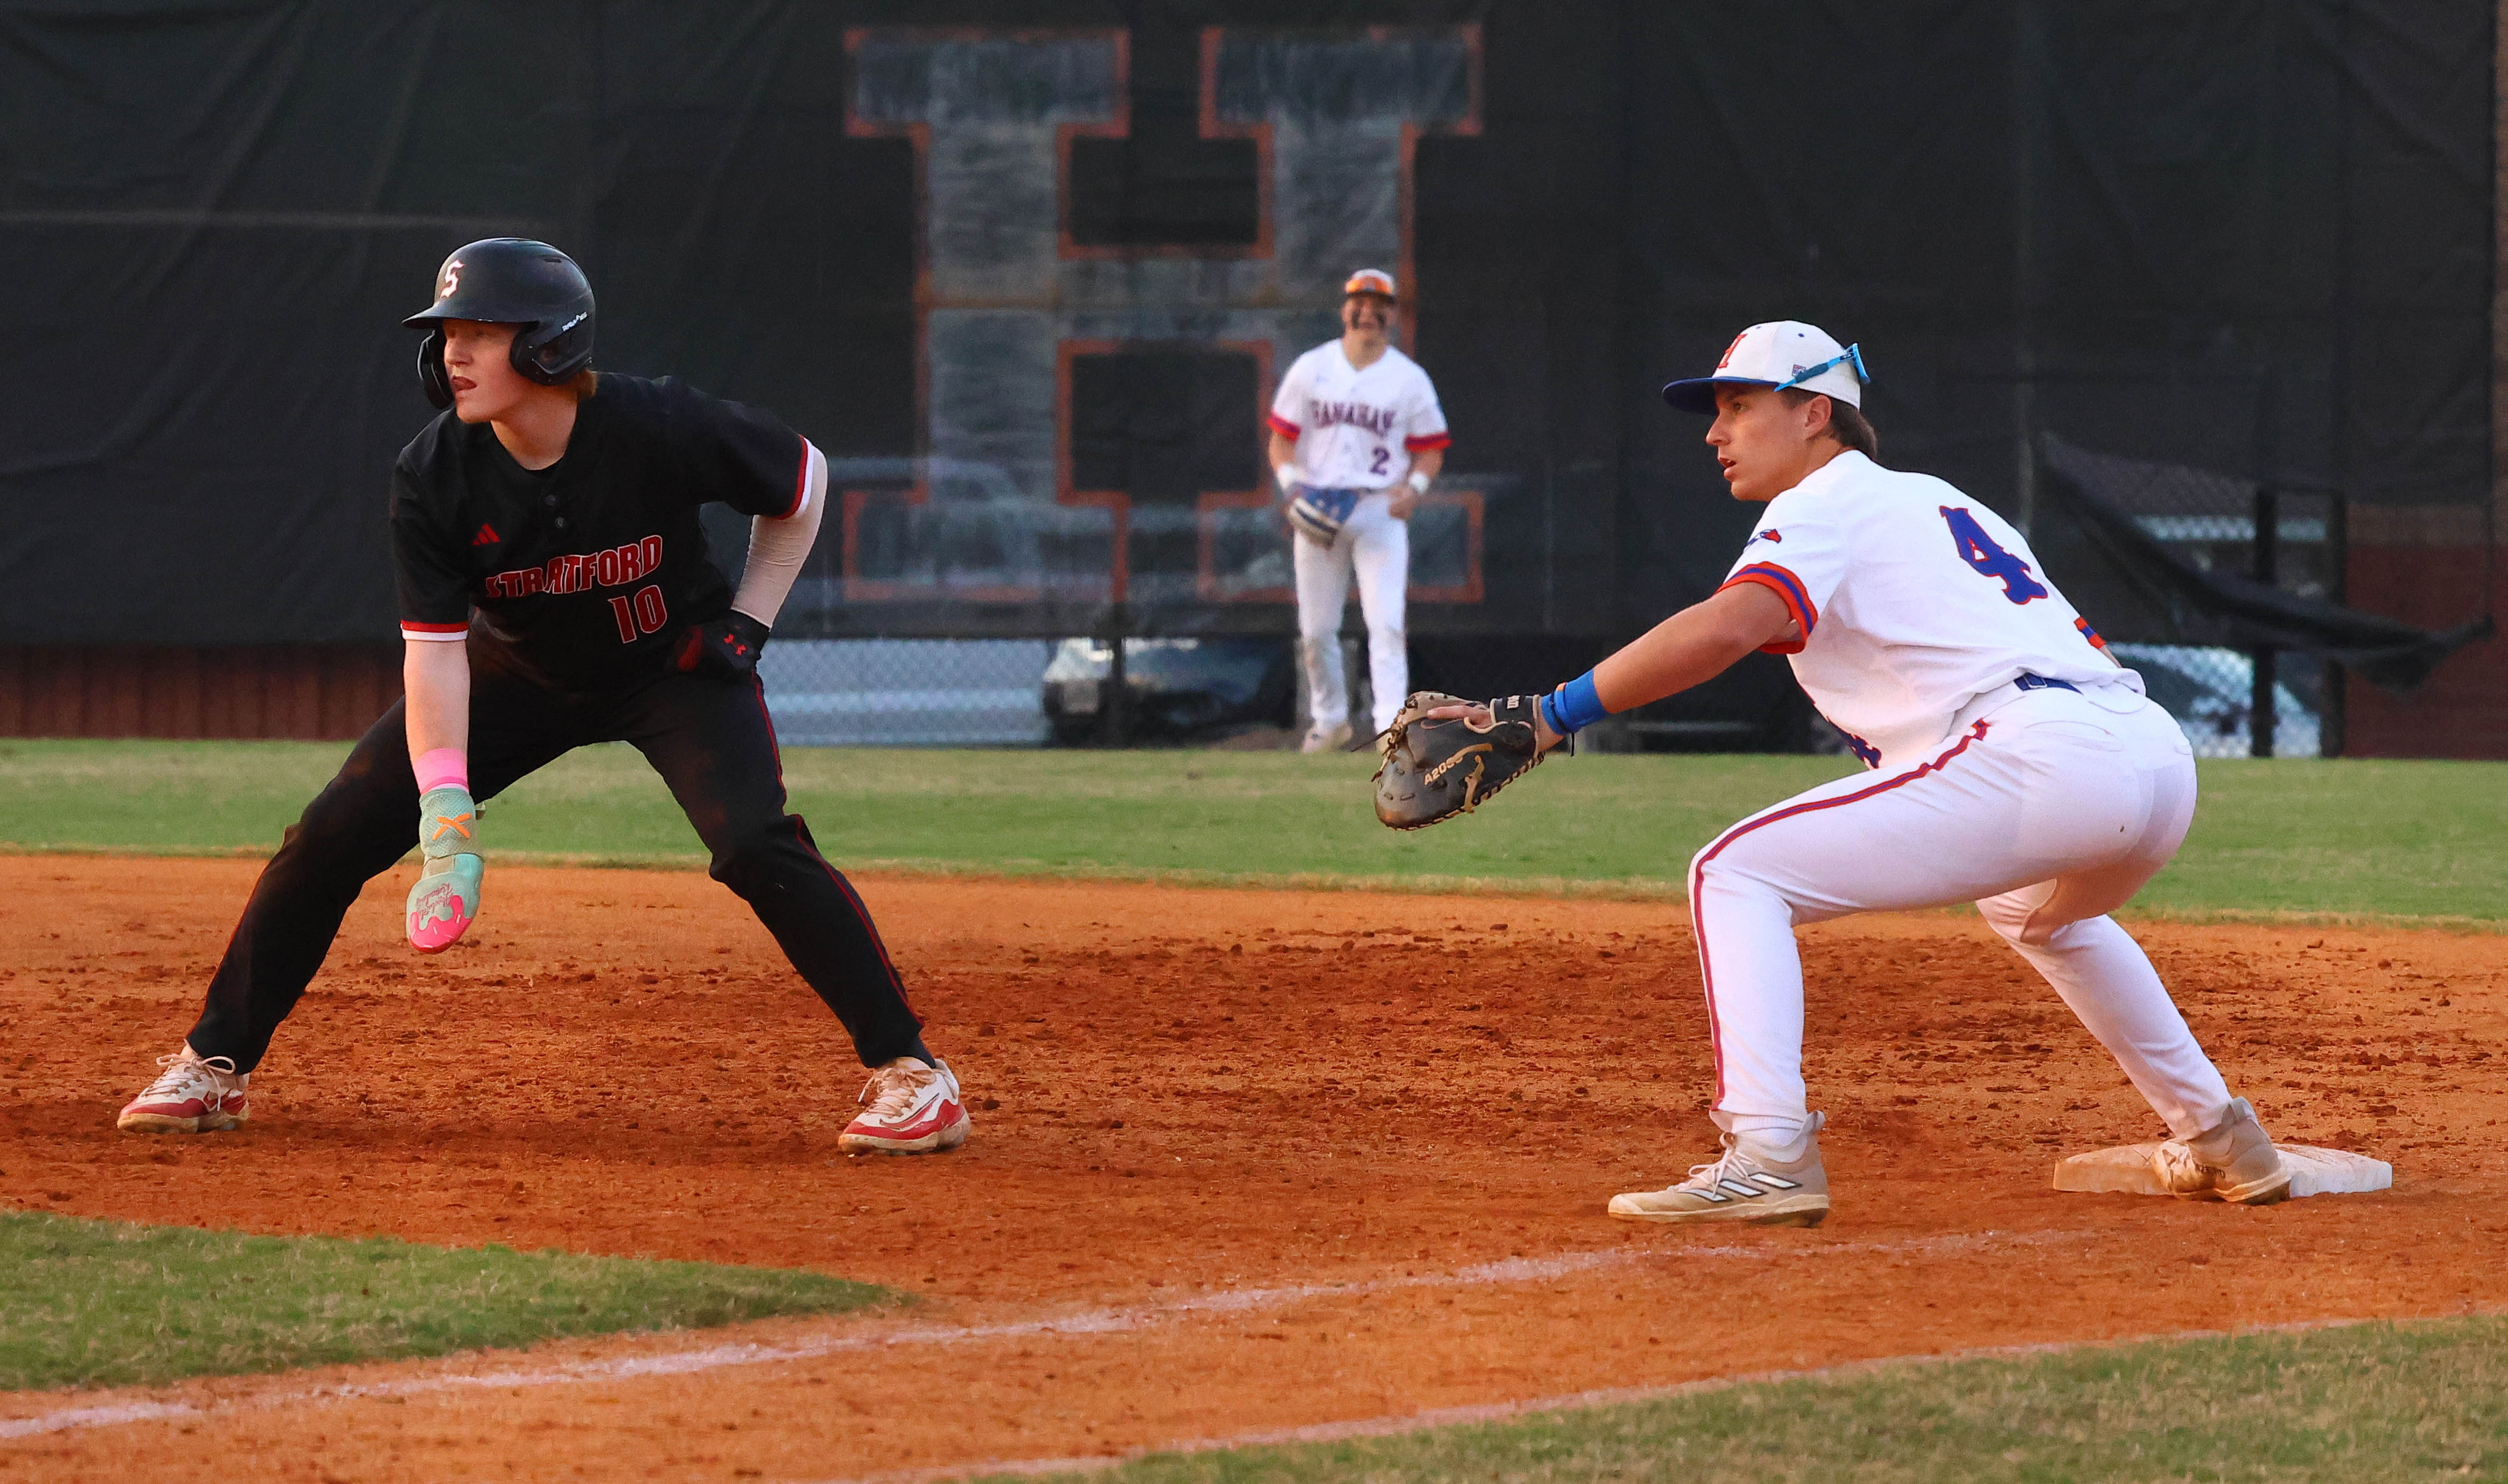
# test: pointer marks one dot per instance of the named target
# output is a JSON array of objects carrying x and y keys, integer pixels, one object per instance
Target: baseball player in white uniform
[
  {"x": 2013, "y": 764},
  {"x": 1356, "y": 437}
]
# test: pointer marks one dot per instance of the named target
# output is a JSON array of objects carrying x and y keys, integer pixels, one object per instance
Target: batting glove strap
[
  {"x": 448, "y": 823},
  {"x": 724, "y": 647}
]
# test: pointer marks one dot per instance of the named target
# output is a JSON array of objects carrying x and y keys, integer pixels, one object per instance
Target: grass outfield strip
[
  {"x": 2354, "y": 1404},
  {"x": 2272, "y": 841},
  {"x": 103, "y": 1303}
]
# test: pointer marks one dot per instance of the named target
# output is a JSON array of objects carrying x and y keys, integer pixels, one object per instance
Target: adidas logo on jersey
[{"x": 487, "y": 537}]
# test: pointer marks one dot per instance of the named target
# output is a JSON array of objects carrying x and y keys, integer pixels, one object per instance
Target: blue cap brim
[{"x": 1698, "y": 394}]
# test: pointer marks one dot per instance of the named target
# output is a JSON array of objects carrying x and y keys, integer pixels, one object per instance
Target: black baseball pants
[{"x": 713, "y": 745}]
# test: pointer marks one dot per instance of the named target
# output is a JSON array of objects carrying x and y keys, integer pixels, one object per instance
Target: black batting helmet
[{"x": 517, "y": 281}]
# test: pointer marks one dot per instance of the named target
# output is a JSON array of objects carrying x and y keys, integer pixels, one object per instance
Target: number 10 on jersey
[{"x": 643, "y": 615}]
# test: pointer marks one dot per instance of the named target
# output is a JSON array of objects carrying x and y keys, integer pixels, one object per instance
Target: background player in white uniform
[
  {"x": 1356, "y": 436},
  {"x": 2016, "y": 765}
]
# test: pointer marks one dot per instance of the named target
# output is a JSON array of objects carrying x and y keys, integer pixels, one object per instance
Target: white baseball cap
[
  {"x": 1781, "y": 353},
  {"x": 1370, "y": 281}
]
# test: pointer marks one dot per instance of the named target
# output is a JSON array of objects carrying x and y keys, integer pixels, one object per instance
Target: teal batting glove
[{"x": 445, "y": 901}]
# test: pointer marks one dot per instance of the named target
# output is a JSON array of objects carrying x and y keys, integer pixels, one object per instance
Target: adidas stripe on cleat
[{"x": 1740, "y": 1186}]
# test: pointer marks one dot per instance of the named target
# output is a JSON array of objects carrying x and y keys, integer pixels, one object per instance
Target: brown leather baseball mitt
[{"x": 1435, "y": 768}]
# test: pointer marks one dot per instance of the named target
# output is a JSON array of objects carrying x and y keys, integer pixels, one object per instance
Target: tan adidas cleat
[
  {"x": 1741, "y": 1186},
  {"x": 2236, "y": 1162},
  {"x": 190, "y": 1095}
]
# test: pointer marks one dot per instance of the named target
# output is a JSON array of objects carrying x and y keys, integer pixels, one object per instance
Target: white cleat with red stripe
[
  {"x": 190, "y": 1095},
  {"x": 908, "y": 1108}
]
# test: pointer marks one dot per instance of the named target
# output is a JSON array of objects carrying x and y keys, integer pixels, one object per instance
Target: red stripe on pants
[{"x": 1698, "y": 873}]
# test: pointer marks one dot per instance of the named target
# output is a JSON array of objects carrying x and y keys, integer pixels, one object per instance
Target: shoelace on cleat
[
  {"x": 183, "y": 1075},
  {"x": 890, "y": 1092},
  {"x": 1731, "y": 1166}
]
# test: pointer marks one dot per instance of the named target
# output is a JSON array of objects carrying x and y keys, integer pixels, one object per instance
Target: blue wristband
[{"x": 1573, "y": 706}]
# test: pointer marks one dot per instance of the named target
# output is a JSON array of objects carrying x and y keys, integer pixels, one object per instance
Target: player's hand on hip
[
  {"x": 726, "y": 648},
  {"x": 1403, "y": 503},
  {"x": 445, "y": 901}
]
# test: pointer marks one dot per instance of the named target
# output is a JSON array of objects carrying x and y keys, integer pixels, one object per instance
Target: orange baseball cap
[{"x": 1370, "y": 281}]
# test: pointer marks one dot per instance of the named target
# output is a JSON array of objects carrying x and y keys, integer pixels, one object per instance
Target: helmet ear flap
[
  {"x": 551, "y": 354},
  {"x": 432, "y": 378}
]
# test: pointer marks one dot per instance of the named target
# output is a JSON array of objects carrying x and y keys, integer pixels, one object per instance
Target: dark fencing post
[
  {"x": 1115, "y": 701},
  {"x": 2332, "y": 677},
  {"x": 2261, "y": 717}
]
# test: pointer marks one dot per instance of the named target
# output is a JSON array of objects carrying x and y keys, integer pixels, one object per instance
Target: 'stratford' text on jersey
[
  {"x": 592, "y": 567},
  {"x": 1356, "y": 430},
  {"x": 1913, "y": 600}
]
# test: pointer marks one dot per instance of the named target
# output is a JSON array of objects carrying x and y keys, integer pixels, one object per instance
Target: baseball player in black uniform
[{"x": 555, "y": 590}]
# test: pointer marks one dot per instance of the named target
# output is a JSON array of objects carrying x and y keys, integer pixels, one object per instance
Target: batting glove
[
  {"x": 445, "y": 901},
  {"x": 725, "y": 648}
]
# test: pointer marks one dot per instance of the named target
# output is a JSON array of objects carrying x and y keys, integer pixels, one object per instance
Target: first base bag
[{"x": 1320, "y": 514}]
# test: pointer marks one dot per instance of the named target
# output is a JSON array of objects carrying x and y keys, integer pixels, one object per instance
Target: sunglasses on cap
[{"x": 1853, "y": 356}]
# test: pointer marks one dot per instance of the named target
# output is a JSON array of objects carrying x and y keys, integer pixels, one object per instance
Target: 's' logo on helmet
[{"x": 452, "y": 280}]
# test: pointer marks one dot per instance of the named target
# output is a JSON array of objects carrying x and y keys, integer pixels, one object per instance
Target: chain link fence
[
  {"x": 2231, "y": 702},
  {"x": 2211, "y": 692},
  {"x": 908, "y": 693},
  {"x": 1029, "y": 693},
  {"x": 1024, "y": 693}
]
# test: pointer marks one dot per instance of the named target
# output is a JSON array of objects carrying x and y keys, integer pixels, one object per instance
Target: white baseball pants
[
  {"x": 1376, "y": 548},
  {"x": 2047, "y": 809}
]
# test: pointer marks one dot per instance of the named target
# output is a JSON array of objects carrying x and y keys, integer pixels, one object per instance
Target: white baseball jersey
[
  {"x": 1913, "y": 600},
  {"x": 2048, "y": 806},
  {"x": 1356, "y": 430}
]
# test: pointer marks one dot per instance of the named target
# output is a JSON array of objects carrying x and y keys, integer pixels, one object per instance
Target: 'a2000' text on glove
[{"x": 446, "y": 899}]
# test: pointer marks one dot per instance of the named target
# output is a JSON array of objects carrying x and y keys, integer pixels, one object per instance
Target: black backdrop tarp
[
  {"x": 2145, "y": 590},
  {"x": 2248, "y": 236}
]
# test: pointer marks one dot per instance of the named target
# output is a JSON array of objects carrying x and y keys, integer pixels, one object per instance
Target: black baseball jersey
[{"x": 589, "y": 569}]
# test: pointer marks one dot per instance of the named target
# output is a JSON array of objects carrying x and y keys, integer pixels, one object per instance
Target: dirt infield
[{"x": 1243, "y": 1160}]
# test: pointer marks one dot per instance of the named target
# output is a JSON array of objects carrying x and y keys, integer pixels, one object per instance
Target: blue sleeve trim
[{"x": 1573, "y": 706}]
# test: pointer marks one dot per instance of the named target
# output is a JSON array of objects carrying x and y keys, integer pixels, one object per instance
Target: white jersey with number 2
[
  {"x": 1913, "y": 600},
  {"x": 1354, "y": 428}
]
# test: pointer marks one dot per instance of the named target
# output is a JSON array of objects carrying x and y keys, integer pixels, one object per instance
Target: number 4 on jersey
[{"x": 1978, "y": 550}]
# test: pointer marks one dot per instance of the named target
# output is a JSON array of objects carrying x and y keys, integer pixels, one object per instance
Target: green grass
[
  {"x": 102, "y": 1302},
  {"x": 2372, "y": 1403},
  {"x": 2409, "y": 839}
]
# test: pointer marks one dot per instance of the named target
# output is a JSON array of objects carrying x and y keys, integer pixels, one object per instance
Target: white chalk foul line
[
  {"x": 1084, "y": 1321},
  {"x": 1502, "y": 1411}
]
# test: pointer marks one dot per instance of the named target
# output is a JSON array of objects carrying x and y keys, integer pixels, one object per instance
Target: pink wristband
[{"x": 445, "y": 766}]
